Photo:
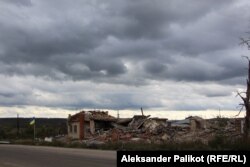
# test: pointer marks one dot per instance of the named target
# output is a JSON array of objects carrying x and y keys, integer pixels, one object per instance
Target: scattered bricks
[
  {"x": 103, "y": 137},
  {"x": 115, "y": 135},
  {"x": 165, "y": 137},
  {"x": 126, "y": 136}
]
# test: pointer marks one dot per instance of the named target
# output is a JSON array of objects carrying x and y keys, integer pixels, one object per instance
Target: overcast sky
[{"x": 168, "y": 55}]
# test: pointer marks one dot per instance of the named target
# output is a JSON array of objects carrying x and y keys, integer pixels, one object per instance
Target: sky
[{"x": 172, "y": 57}]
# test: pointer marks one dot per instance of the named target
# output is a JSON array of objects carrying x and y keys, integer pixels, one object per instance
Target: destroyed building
[
  {"x": 100, "y": 127},
  {"x": 85, "y": 124},
  {"x": 193, "y": 123}
]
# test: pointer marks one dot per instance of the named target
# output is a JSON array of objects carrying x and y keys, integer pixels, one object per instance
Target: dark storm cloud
[
  {"x": 88, "y": 40},
  {"x": 151, "y": 19},
  {"x": 155, "y": 68},
  {"x": 198, "y": 70}
]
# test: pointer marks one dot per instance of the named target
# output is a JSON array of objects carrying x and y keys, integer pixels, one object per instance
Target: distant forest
[{"x": 13, "y": 128}]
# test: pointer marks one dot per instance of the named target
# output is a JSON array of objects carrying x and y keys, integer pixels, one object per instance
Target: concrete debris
[
  {"x": 92, "y": 143},
  {"x": 136, "y": 139},
  {"x": 124, "y": 121},
  {"x": 142, "y": 128},
  {"x": 137, "y": 121},
  {"x": 165, "y": 137},
  {"x": 48, "y": 139}
]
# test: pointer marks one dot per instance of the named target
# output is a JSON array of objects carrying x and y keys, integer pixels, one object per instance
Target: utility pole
[
  {"x": 17, "y": 125},
  {"x": 118, "y": 115},
  {"x": 34, "y": 131},
  {"x": 219, "y": 113},
  {"x": 142, "y": 112}
]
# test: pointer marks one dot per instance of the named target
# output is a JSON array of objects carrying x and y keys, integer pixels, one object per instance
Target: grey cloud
[
  {"x": 18, "y": 2},
  {"x": 129, "y": 43},
  {"x": 125, "y": 100},
  {"x": 151, "y": 19},
  {"x": 7, "y": 95},
  {"x": 190, "y": 107},
  {"x": 216, "y": 94},
  {"x": 41, "y": 47},
  {"x": 155, "y": 67},
  {"x": 13, "y": 99},
  {"x": 95, "y": 48},
  {"x": 215, "y": 91}
]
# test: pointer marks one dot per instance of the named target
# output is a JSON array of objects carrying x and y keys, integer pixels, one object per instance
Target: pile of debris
[
  {"x": 156, "y": 130},
  {"x": 143, "y": 128}
]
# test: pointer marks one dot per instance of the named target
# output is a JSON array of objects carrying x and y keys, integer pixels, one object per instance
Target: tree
[
  {"x": 246, "y": 98},
  {"x": 246, "y": 41}
]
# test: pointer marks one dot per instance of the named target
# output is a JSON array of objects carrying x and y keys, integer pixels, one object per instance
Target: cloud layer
[{"x": 122, "y": 54}]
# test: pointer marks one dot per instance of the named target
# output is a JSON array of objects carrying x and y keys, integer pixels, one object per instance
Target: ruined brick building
[{"x": 85, "y": 124}]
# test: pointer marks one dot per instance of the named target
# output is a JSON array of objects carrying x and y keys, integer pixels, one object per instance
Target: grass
[{"x": 218, "y": 143}]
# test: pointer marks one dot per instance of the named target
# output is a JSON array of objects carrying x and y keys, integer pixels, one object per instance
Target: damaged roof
[
  {"x": 92, "y": 115},
  {"x": 101, "y": 116}
]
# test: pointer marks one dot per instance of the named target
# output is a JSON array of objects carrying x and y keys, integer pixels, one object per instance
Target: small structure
[
  {"x": 239, "y": 125},
  {"x": 192, "y": 122},
  {"x": 197, "y": 123},
  {"x": 85, "y": 124}
]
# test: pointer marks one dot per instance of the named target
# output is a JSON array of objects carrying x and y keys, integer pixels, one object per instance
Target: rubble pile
[{"x": 142, "y": 128}]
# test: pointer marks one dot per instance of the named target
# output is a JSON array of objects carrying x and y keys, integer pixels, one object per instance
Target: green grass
[{"x": 218, "y": 143}]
